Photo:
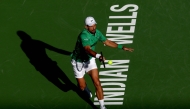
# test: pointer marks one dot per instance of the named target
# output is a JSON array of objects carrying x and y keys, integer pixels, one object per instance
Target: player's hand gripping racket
[{"x": 103, "y": 60}]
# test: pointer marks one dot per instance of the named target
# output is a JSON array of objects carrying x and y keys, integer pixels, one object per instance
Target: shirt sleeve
[
  {"x": 85, "y": 39},
  {"x": 102, "y": 38}
]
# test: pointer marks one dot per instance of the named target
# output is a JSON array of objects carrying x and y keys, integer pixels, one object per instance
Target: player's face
[{"x": 92, "y": 28}]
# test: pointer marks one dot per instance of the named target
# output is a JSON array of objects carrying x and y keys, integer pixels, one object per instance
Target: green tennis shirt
[{"x": 86, "y": 38}]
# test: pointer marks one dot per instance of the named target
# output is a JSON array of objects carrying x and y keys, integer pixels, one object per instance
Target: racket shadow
[{"x": 35, "y": 50}]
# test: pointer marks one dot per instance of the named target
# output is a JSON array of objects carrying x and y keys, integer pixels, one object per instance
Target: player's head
[{"x": 90, "y": 24}]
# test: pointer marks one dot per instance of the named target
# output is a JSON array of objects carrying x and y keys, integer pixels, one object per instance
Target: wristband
[
  {"x": 98, "y": 56},
  {"x": 119, "y": 46}
]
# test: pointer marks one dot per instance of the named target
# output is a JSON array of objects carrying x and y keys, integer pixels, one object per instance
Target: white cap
[{"x": 90, "y": 21}]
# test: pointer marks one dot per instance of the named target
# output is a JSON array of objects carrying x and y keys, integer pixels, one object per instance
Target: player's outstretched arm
[{"x": 115, "y": 45}]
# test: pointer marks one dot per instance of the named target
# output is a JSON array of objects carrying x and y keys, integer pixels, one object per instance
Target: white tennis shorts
[{"x": 80, "y": 68}]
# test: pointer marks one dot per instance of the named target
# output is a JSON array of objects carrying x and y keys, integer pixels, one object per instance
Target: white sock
[{"x": 101, "y": 103}]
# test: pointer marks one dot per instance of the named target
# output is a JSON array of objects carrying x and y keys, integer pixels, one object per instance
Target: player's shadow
[{"x": 35, "y": 50}]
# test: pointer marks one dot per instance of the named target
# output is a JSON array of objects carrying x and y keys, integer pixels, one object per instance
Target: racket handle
[{"x": 103, "y": 59}]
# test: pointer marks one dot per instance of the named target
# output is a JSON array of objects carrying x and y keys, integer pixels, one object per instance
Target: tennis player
[{"x": 84, "y": 55}]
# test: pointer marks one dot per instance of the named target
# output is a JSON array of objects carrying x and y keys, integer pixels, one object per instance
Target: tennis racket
[{"x": 103, "y": 60}]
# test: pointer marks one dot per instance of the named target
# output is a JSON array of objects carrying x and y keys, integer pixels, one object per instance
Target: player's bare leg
[
  {"x": 99, "y": 91},
  {"x": 82, "y": 85},
  {"x": 95, "y": 78}
]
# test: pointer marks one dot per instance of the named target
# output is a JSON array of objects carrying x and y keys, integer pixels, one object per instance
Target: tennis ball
[{"x": 110, "y": 62}]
